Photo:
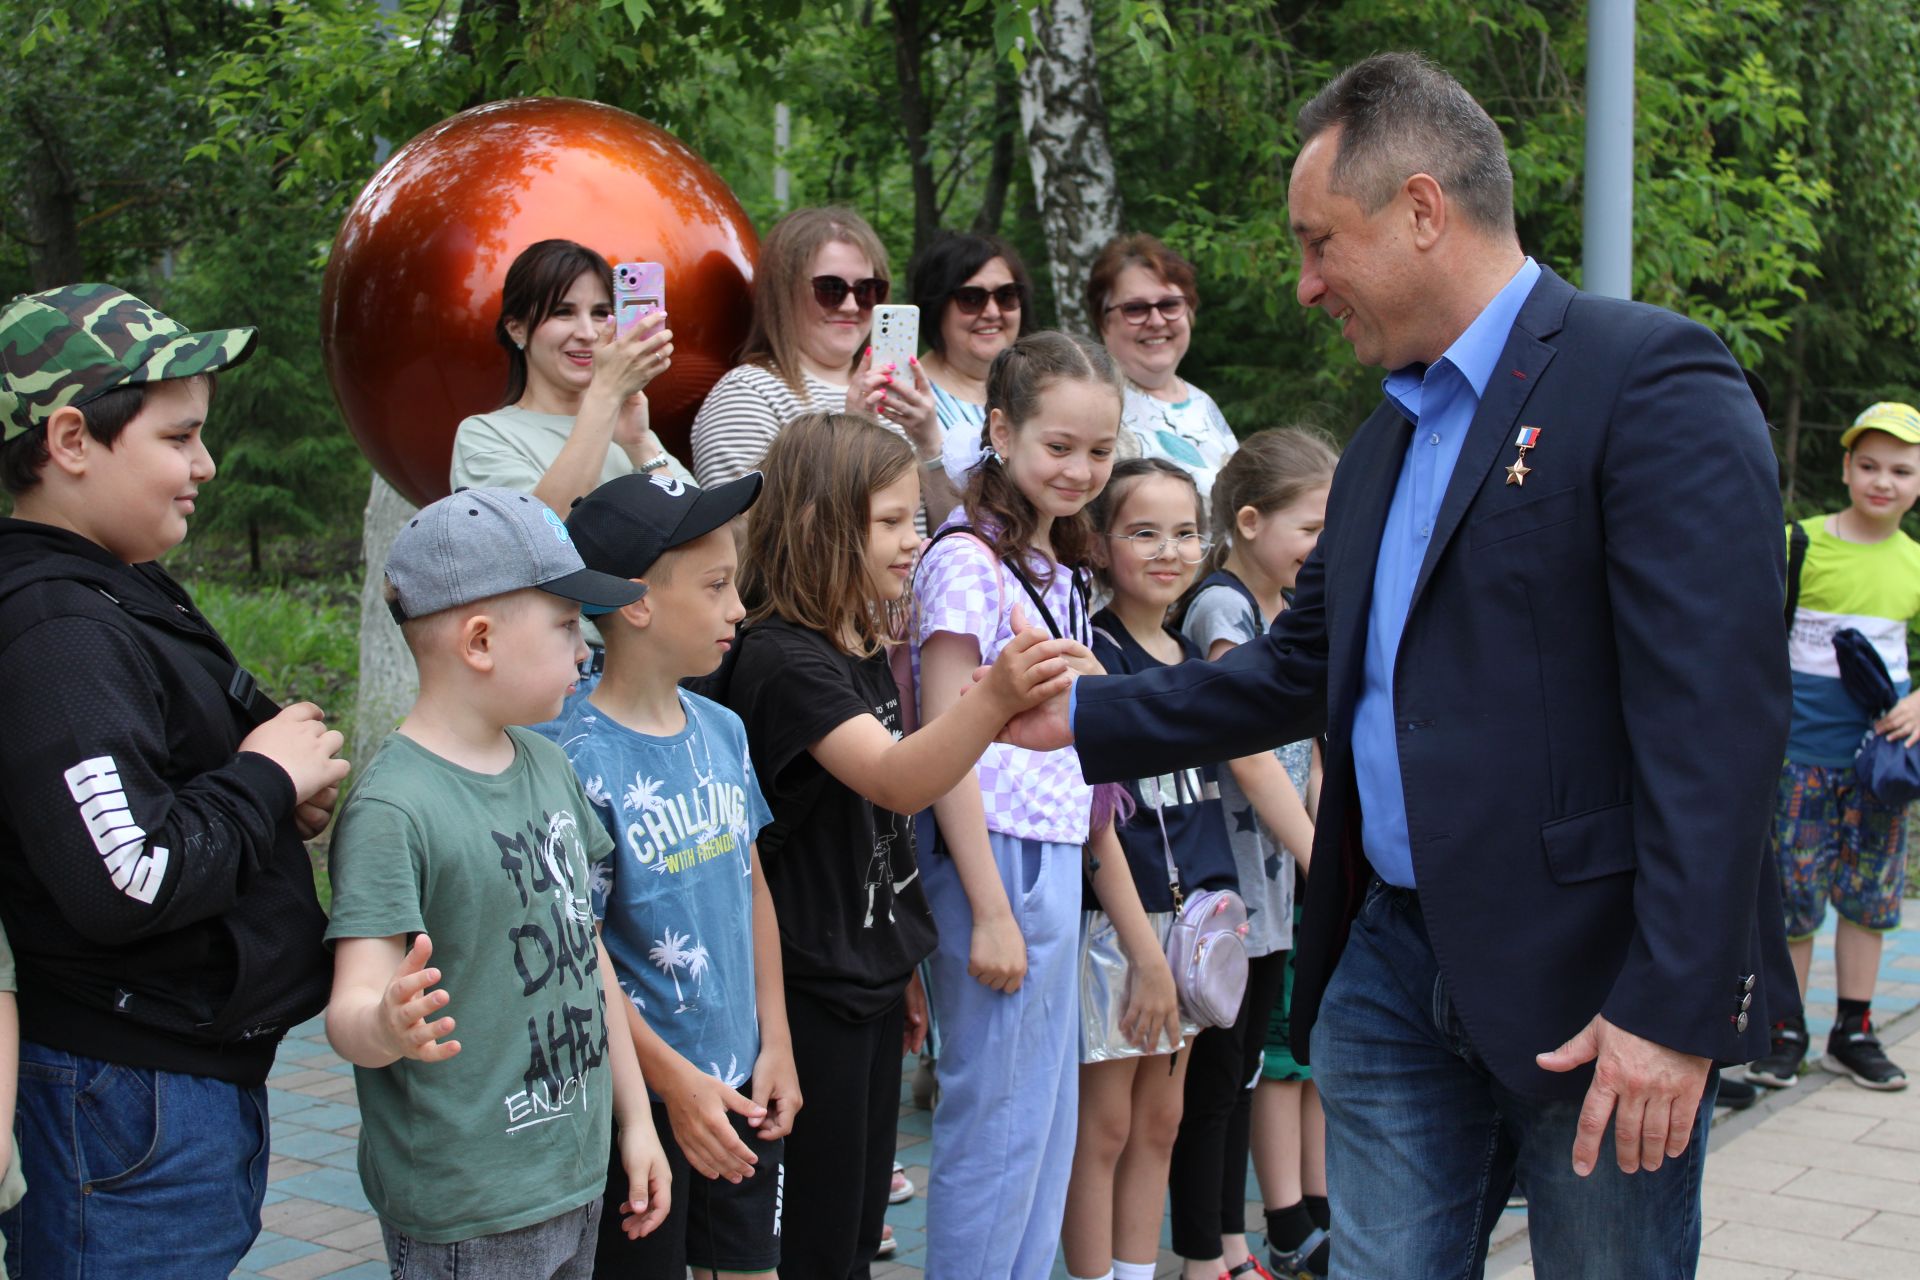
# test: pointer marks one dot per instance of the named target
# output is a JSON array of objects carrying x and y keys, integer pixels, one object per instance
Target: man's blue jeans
[
  {"x": 133, "y": 1172},
  {"x": 1424, "y": 1145}
]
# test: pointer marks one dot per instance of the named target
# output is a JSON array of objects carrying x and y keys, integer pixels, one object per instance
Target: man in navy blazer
[{"x": 1542, "y": 634}]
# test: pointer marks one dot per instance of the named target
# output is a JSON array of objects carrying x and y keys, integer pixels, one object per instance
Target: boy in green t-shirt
[
  {"x": 1833, "y": 842},
  {"x": 469, "y": 842}
]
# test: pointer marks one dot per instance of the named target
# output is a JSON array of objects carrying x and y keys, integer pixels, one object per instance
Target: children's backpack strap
[{"x": 1796, "y": 561}]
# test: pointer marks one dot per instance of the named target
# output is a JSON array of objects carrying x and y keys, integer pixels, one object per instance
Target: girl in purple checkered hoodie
[{"x": 1004, "y": 878}]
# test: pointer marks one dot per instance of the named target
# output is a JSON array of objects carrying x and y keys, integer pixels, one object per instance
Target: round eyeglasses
[
  {"x": 1136, "y": 311},
  {"x": 1151, "y": 544}
]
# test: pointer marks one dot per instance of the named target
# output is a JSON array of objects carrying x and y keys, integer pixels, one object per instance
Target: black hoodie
[{"x": 158, "y": 899}]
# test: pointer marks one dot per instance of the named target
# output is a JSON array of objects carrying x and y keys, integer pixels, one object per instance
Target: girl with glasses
[
  {"x": 973, "y": 292},
  {"x": 820, "y": 274},
  {"x": 1141, "y": 300}
]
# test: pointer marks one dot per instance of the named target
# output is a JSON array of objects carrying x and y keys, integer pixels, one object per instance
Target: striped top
[
  {"x": 960, "y": 425},
  {"x": 744, "y": 412}
]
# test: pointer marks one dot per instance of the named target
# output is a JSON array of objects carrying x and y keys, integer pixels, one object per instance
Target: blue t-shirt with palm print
[{"x": 677, "y": 895}]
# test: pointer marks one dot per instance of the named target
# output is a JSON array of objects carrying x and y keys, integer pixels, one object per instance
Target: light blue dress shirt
[{"x": 1440, "y": 402}]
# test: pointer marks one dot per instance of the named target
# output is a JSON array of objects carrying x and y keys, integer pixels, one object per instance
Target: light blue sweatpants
[{"x": 1003, "y": 1132}]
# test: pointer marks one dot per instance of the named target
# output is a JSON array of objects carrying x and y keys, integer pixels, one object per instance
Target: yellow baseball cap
[{"x": 1901, "y": 421}]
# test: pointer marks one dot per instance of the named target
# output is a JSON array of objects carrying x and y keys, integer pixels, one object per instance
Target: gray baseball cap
[{"x": 477, "y": 543}]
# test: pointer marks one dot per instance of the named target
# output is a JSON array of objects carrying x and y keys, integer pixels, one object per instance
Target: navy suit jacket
[{"x": 1591, "y": 693}]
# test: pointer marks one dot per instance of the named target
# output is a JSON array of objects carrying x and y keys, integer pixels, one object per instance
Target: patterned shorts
[{"x": 1835, "y": 843}]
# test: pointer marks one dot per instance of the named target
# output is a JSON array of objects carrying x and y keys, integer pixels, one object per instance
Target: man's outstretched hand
[
  {"x": 1652, "y": 1092},
  {"x": 1046, "y": 727}
]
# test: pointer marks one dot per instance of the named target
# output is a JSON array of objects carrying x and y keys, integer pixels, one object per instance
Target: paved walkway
[{"x": 1821, "y": 1182}]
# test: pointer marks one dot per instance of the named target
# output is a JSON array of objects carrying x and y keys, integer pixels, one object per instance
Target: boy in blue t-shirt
[
  {"x": 1833, "y": 841},
  {"x": 687, "y": 917}
]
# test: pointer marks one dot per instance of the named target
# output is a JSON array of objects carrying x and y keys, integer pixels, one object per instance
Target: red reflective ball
[{"x": 412, "y": 290}]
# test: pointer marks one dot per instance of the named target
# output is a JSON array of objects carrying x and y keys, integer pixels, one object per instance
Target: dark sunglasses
[
  {"x": 971, "y": 299},
  {"x": 1137, "y": 312},
  {"x": 831, "y": 291}
]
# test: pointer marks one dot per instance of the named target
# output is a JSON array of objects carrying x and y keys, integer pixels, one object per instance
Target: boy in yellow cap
[{"x": 1832, "y": 840}]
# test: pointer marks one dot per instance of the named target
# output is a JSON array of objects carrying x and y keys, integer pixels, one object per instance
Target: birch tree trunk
[
  {"x": 387, "y": 680},
  {"x": 1065, "y": 123}
]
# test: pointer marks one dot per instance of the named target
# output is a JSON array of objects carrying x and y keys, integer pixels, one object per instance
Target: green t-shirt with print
[
  {"x": 497, "y": 870},
  {"x": 13, "y": 1185}
]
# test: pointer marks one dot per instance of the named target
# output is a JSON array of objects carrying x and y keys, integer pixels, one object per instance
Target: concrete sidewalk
[{"x": 1819, "y": 1182}]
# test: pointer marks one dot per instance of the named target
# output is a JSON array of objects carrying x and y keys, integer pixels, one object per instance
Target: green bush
[{"x": 301, "y": 639}]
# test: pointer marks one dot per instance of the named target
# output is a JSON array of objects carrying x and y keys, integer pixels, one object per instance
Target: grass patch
[{"x": 301, "y": 639}]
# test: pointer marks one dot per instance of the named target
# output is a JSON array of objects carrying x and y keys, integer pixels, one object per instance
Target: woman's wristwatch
[{"x": 654, "y": 463}]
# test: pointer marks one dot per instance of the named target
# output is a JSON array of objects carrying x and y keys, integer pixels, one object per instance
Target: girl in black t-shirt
[{"x": 830, "y": 550}]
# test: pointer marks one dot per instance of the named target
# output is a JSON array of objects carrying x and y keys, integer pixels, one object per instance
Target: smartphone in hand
[
  {"x": 896, "y": 337},
  {"x": 639, "y": 293}
]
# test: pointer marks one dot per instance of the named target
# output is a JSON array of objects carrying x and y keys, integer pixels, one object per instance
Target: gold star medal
[{"x": 1519, "y": 471}]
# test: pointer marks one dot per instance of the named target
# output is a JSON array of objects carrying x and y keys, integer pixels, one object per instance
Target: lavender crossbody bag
[{"x": 1206, "y": 948}]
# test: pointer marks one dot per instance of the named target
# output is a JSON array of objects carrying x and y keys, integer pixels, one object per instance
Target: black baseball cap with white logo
[{"x": 626, "y": 524}]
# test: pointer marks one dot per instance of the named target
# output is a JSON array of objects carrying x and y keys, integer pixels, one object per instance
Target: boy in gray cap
[
  {"x": 467, "y": 850},
  {"x": 154, "y": 881}
]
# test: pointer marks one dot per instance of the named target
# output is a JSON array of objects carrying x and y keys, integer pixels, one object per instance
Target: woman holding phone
[
  {"x": 821, "y": 273},
  {"x": 1142, "y": 300},
  {"x": 574, "y": 414},
  {"x": 973, "y": 292}
]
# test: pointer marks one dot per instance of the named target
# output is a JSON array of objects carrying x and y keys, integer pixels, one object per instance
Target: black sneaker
[
  {"x": 1780, "y": 1069},
  {"x": 1856, "y": 1052},
  {"x": 1737, "y": 1094}
]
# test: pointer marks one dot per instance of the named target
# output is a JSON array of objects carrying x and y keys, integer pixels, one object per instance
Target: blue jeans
[
  {"x": 1424, "y": 1144},
  {"x": 1003, "y": 1132},
  {"x": 133, "y": 1172}
]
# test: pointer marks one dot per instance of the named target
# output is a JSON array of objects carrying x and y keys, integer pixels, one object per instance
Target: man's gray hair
[{"x": 1400, "y": 114}]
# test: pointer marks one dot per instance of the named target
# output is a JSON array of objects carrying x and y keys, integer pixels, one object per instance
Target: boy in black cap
[
  {"x": 153, "y": 877},
  {"x": 466, "y": 843},
  {"x": 688, "y": 919}
]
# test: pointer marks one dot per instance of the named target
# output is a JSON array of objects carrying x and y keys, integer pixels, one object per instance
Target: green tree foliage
[{"x": 1776, "y": 152}]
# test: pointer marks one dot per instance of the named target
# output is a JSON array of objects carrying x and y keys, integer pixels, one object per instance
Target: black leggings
[
  {"x": 840, "y": 1153},
  {"x": 1208, "y": 1177}
]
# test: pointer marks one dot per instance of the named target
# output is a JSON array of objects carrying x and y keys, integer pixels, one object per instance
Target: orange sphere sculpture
[{"x": 412, "y": 290}]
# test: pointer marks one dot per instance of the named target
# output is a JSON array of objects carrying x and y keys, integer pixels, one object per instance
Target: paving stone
[
  {"x": 1892, "y": 1230},
  {"x": 322, "y": 1262},
  {"x": 319, "y": 1219},
  {"x": 1901, "y": 1135},
  {"x": 1808, "y": 1217},
  {"x": 1810, "y": 1122},
  {"x": 1861, "y": 1102},
  {"x": 1750, "y": 1172},
  {"x": 280, "y": 1168},
  {"x": 1820, "y": 1153},
  {"x": 1728, "y": 1269},
  {"x": 272, "y": 1249},
  {"x": 356, "y": 1238},
  {"x": 339, "y": 1187},
  {"x": 1846, "y": 1188},
  {"x": 1774, "y": 1247}
]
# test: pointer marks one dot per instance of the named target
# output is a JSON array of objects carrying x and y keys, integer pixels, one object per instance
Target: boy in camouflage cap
[{"x": 154, "y": 881}]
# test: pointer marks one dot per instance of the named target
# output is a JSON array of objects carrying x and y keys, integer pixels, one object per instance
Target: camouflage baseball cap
[{"x": 66, "y": 346}]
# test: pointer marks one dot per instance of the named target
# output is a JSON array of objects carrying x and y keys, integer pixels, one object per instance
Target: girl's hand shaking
[{"x": 1032, "y": 668}]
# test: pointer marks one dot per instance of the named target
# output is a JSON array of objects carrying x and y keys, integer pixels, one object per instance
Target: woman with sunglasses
[
  {"x": 972, "y": 291},
  {"x": 1141, "y": 300},
  {"x": 821, "y": 273}
]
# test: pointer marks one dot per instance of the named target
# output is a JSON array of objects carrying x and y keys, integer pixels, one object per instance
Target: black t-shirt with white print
[{"x": 854, "y": 920}]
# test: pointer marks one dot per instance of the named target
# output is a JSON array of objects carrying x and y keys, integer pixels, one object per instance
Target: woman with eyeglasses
[
  {"x": 972, "y": 292},
  {"x": 1141, "y": 300},
  {"x": 821, "y": 273}
]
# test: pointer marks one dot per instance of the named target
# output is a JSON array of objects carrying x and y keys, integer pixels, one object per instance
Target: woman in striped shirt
[{"x": 820, "y": 274}]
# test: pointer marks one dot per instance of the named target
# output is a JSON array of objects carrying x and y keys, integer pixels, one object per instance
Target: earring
[{"x": 520, "y": 344}]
